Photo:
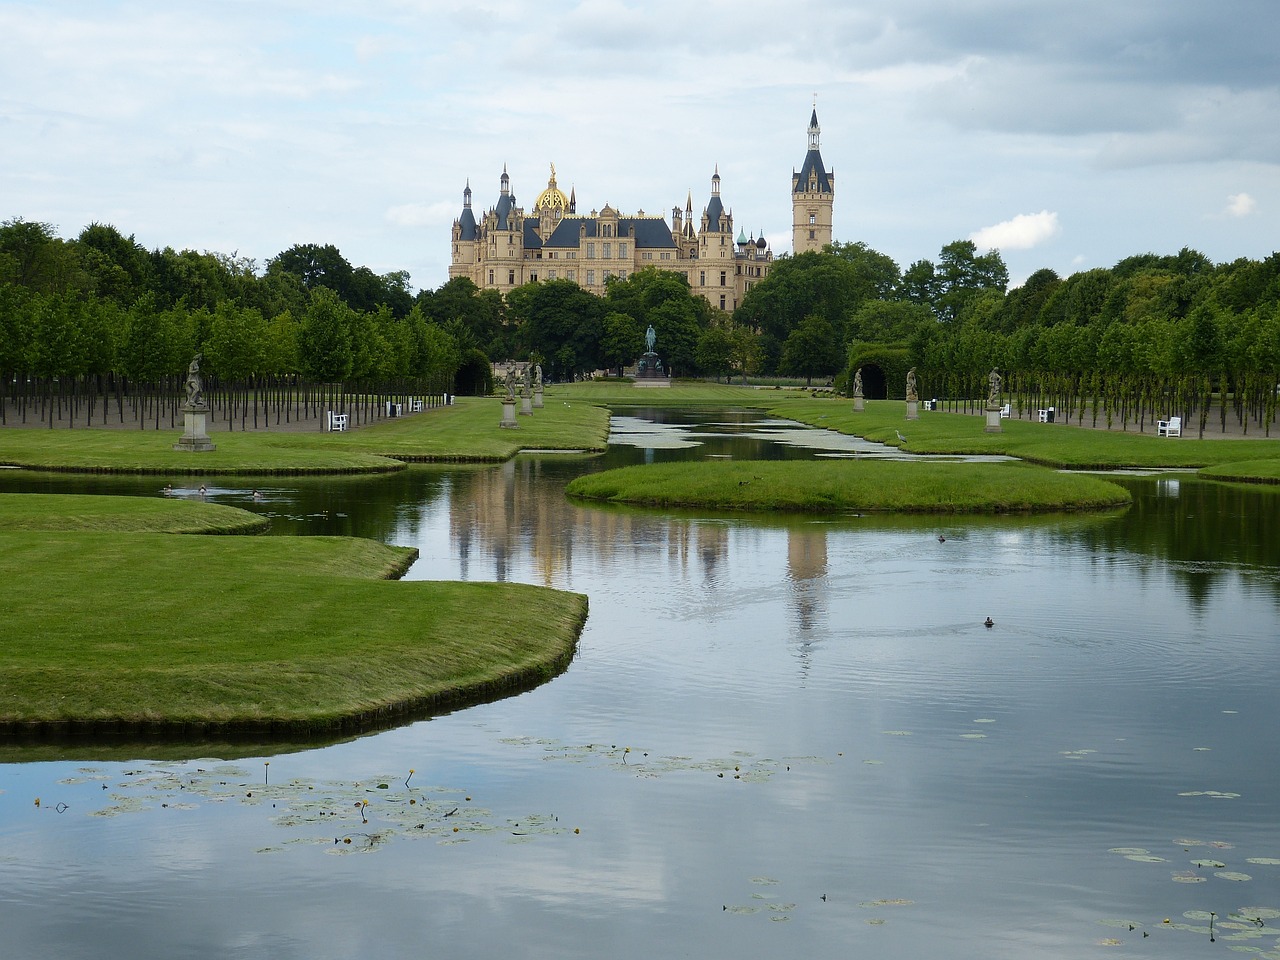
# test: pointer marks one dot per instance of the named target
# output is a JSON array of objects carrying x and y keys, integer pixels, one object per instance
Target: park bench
[
  {"x": 415, "y": 406},
  {"x": 337, "y": 421},
  {"x": 1169, "y": 428},
  {"x": 395, "y": 409},
  {"x": 1047, "y": 414},
  {"x": 1004, "y": 411},
  {"x": 931, "y": 404}
]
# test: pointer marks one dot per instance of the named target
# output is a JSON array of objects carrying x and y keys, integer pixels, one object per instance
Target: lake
[{"x": 779, "y": 736}]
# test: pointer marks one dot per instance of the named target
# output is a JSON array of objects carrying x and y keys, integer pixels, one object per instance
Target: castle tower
[
  {"x": 465, "y": 239},
  {"x": 813, "y": 192}
]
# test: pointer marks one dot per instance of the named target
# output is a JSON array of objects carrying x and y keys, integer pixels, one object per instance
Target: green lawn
[
  {"x": 682, "y": 393},
  {"x": 850, "y": 485},
  {"x": 33, "y": 511},
  {"x": 466, "y": 430},
  {"x": 286, "y": 635},
  {"x": 1053, "y": 444}
]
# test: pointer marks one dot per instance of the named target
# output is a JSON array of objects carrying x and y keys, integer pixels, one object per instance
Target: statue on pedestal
[
  {"x": 911, "y": 385},
  {"x": 994, "y": 382},
  {"x": 857, "y": 382}
]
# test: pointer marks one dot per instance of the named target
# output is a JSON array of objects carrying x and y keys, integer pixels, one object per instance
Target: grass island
[{"x": 850, "y": 486}]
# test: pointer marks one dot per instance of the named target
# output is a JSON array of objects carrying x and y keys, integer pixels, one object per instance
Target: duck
[{"x": 988, "y": 622}]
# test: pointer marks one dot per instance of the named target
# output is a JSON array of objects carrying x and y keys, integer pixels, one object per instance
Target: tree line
[{"x": 1152, "y": 334}]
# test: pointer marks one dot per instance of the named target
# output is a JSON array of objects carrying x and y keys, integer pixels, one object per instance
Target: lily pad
[{"x": 1233, "y": 875}]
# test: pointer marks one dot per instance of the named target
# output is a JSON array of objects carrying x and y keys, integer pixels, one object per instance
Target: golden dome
[{"x": 551, "y": 198}]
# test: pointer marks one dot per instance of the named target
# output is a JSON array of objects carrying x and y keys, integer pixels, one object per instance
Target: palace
[{"x": 506, "y": 247}]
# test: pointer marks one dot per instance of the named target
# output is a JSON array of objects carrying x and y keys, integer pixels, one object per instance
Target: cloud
[
  {"x": 1023, "y": 232},
  {"x": 423, "y": 214},
  {"x": 1240, "y": 205}
]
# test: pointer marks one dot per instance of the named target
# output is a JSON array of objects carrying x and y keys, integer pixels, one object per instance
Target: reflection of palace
[
  {"x": 506, "y": 247},
  {"x": 504, "y": 515},
  {"x": 807, "y": 571}
]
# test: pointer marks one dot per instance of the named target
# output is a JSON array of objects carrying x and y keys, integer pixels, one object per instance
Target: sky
[{"x": 1068, "y": 135}]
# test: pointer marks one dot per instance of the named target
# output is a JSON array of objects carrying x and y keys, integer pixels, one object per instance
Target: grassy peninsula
[
  {"x": 850, "y": 486},
  {"x": 84, "y": 512},
  {"x": 154, "y": 632}
]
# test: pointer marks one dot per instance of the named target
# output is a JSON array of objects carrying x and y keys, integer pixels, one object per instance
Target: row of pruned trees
[
  {"x": 1208, "y": 366},
  {"x": 68, "y": 359}
]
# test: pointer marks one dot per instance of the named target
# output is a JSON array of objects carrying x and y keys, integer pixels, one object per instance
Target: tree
[
  {"x": 560, "y": 321},
  {"x": 316, "y": 266},
  {"x": 833, "y": 284},
  {"x": 324, "y": 343},
  {"x": 236, "y": 345},
  {"x": 118, "y": 266},
  {"x": 622, "y": 341},
  {"x": 32, "y": 256},
  {"x": 715, "y": 351},
  {"x": 888, "y": 321},
  {"x": 962, "y": 274},
  {"x": 812, "y": 349}
]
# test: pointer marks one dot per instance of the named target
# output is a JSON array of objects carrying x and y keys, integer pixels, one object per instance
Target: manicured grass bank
[
  {"x": 850, "y": 485},
  {"x": 681, "y": 393},
  {"x": 1249, "y": 471},
  {"x": 1052, "y": 444},
  {"x": 166, "y": 634},
  {"x": 467, "y": 430},
  {"x": 34, "y": 511}
]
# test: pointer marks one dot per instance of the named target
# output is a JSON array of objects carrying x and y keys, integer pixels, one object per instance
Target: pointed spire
[
  {"x": 466, "y": 195},
  {"x": 573, "y": 199},
  {"x": 688, "y": 204},
  {"x": 814, "y": 130},
  {"x": 506, "y": 180}
]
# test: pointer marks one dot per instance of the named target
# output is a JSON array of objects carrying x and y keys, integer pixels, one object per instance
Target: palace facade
[{"x": 507, "y": 247}]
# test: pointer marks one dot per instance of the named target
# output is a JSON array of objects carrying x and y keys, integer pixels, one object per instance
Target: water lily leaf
[{"x": 1233, "y": 875}]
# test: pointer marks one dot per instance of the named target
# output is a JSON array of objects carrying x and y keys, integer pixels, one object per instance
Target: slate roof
[
  {"x": 506, "y": 203},
  {"x": 714, "y": 209},
  {"x": 651, "y": 232},
  {"x": 531, "y": 239},
  {"x": 813, "y": 164},
  {"x": 468, "y": 223}
]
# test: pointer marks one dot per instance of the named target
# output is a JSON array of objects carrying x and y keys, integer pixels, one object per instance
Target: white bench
[
  {"x": 1169, "y": 428},
  {"x": 395, "y": 409},
  {"x": 1004, "y": 411},
  {"x": 931, "y": 404},
  {"x": 415, "y": 406},
  {"x": 337, "y": 422},
  {"x": 1047, "y": 414}
]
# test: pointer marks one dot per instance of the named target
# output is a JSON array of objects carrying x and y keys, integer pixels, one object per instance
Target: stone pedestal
[
  {"x": 993, "y": 421},
  {"x": 195, "y": 436},
  {"x": 537, "y": 397},
  {"x": 509, "y": 415},
  {"x": 858, "y": 405},
  {"x": 913, "y": 409},
  {"x": 526, "y": 406},
  {"x": 650, "y": 368}
]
